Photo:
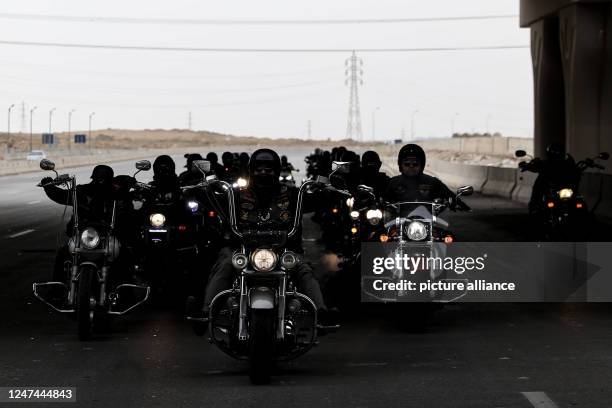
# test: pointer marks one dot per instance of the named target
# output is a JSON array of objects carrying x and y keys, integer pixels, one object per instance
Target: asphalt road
[{"x": 471, "y": 355}]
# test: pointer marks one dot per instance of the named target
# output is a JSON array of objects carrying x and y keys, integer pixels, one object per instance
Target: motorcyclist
[
  {"x": 94, "y": 200},
  {"x": 557, "y": 168},
  {"x": 285, "y": 165},
  {"x": 192, "y": 175},
  {"x": 371, "y": 175},
  {"x": 165, "y": 184},
  {"x": 244, "y": 164},
  {"x": 215, "y": 167},
  {"x": 265, "y": 202},
  {"x": 230, "y": 172},
  {"x": 412, "y": 184}
]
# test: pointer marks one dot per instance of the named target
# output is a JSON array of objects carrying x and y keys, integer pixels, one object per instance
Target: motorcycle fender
[{"x": 261, "y": 298}]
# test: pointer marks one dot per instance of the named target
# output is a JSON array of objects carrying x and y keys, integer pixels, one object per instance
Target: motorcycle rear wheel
[{"x": 261, "y": 345}]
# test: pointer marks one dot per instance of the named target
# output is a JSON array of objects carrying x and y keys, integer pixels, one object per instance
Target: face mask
[{"x": 265, "y": 180}]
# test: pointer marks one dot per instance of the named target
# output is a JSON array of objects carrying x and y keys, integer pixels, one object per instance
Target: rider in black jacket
[
  {"x": 413, "y": 184},
  {"x": 265, "y": 202}
]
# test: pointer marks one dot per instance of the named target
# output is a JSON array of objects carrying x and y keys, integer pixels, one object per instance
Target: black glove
[{"x": 46, "y": 181}]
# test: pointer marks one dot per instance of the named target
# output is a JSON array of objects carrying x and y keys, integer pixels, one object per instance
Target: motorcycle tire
[
  {"x": 261, "y": 345},
  {"x": 84, "y": 309}
]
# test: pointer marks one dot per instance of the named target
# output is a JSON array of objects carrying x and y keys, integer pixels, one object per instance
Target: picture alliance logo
[{"x": 413, "y": 264}]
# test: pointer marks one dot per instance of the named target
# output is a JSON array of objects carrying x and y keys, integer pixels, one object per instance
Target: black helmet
[
  {"x": 265, "y": 156},
  {"x": 212, "y": 157},
  {"x": 411, "y": 150},
  {"x": 102, "y": 173},
  {"x": 227, "y": 158},
  {"x": 371, "y": 160},
  {"x": 191, "y": 157},
  {"x": 555, "y": 151},
  {"x": 164, "y": 165}
]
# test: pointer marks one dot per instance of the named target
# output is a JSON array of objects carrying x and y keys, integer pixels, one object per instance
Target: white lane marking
[
  {"x": 34, "y": 202},
  {"x": 21, "y": 233},
  {"x": 366, "y": 364},
  {"x": 539, "y": 399}
]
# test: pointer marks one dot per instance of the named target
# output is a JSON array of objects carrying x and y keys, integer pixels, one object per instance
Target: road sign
[{"x": 47, "y": 138}]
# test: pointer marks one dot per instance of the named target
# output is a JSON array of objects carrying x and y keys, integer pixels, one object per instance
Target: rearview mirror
[
  {"x": 465, "y": 191},
  {"x": 143, "y": 165},
  {"x": 604, "y": 156},
  {"x": 47, "y": 165},
  {"x": 202, "y": 165},
  {"x": 341, "y": 167},
  {"x": 520, "y": 153}
]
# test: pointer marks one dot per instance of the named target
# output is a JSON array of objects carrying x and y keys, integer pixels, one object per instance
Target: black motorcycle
[
  {"x": 263, "y": 318},
  {"x": 561, "y": 212},
  {"x": 90, "y": 295}
]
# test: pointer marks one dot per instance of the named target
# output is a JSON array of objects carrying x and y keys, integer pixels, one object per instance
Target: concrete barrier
[
  {"x": 524, "y": 184},
  {"x": 500, "y": 182},
  {"x": 458, "y": 174}
]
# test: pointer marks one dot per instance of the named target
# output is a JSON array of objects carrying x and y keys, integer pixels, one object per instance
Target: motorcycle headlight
[
  {"x": 565, "y": 193},
  {"x": 241, "y": 182},
  {"x": 193, "y": 206},
  {"x": 157, "y": 220},
  {"x": 289, "y": 177},
  {"x": 281, "y": 178},
  {"x": 416, "y": 231},
  {"x": 263, "y": 260},
  {"x": 355, "y": 215},
  {"x": 374, "y": 216},
  {"x": 350, "y": 202},
  {"x": 90, "y": 238}
]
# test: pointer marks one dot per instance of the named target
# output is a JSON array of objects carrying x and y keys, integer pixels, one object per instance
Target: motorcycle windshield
[{"x": 409, "y": 209}]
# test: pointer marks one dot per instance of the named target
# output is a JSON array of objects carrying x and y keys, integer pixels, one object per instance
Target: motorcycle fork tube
[
  {"x": 74, "y": 273},
  {"x": 242, "y": 329},
  {"x": 282, "y": 290},
  {"x": 102, "y": 298}
]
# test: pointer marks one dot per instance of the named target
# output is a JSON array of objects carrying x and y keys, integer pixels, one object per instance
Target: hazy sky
[{"x": 268, "y": 94}]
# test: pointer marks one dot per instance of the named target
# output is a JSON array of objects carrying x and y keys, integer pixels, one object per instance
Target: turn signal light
[
  {"x": 384, "y": 238},
  {"x": 550, "y": 204},
  {"x": 212, "y": 214},
  {"x": 354, "y": 230},
  {"x": 579, "y": 205},
  {"x": 182, "y": 228},
  {"x": 448, "y": 239},
  {"x": 335, "y": 210}
]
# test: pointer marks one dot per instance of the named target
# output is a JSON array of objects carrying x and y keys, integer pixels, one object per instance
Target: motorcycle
[
  {"x": 561, "y": 212},
  {"x": 417, "y": 230},
  {"x": 93, "y": 247},
  {"x": 264, "y": 318},
  {"x": 177, "y": 229},
  {"x": 286, "y": 178}
]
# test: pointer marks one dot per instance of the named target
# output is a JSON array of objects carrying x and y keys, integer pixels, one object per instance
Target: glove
[{"x": 46, "y": 181}]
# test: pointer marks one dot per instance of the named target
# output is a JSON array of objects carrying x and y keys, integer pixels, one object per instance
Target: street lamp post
[
  {"x": 8, "y": 127},
  {"x": 31, "y": 115},
  {"x": 453, "y": 124},
  {"x": 69, "y": 122},
  {"x": 50, "y": 118},
  {"x": 414, "y": 112},
  {"x": 90, "y": 139},
  {"x": 374, "y": 123}
]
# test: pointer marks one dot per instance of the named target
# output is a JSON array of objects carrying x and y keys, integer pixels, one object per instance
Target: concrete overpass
[{"x": 572, "y": 63}]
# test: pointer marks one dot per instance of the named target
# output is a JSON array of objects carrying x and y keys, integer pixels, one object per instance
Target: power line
[
  {"x": 132, "y": 20},
  {"x": 259, "y": 50}
]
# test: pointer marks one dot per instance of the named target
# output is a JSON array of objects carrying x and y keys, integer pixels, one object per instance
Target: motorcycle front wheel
[
  {"x": 261, "y": 345},
  {"x": 85, "y": 303}
]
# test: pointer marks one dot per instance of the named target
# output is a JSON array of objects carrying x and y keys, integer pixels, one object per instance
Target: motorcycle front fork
[{"x": 243, "y": 308}]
